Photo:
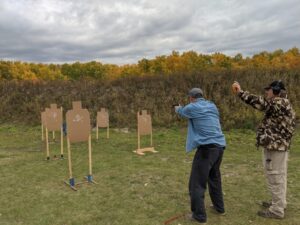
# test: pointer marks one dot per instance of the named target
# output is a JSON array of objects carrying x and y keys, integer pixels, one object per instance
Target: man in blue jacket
[{"x": 205, "y": 135}]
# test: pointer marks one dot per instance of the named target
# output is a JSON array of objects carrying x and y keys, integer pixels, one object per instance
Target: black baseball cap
[{"x": 277, "y": 84}]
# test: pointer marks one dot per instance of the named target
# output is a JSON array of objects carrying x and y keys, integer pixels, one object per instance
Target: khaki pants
[{"x": 275, "y": 167}]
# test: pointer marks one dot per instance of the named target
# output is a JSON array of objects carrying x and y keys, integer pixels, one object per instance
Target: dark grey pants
[{"x": 206, "y": 169}]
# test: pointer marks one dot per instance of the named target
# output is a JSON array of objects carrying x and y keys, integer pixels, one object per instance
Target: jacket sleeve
[
  {"x": 185, "y": 111},
  {"x": 257, "y": 102}
]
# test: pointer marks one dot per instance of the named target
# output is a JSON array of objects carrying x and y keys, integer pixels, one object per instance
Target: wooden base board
[
  {"x": 55, "y": 158},
  {"x": 142, "y": 151},
  {"x": 79, "y": 183}
]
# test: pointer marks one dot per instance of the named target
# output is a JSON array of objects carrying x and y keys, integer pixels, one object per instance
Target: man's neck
[{"x": 195, "y": 99}]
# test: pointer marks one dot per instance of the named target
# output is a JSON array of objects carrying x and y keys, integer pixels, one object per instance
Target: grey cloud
[{"x": 126, "y": 31}]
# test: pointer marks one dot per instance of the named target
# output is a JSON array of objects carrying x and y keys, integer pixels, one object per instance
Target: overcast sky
[{"x": 115, "y": 31}]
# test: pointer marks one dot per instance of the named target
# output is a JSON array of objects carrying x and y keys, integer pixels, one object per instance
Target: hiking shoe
[
  {"x": 216, "y": 211},
  {"x": 190, "y": 218},
  {"x": 266, "y": 204},
  {"x": 268, "y": 214}
]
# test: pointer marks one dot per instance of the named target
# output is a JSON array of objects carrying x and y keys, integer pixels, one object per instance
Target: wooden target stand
[
  {"x": 43, "y": 126},
  {"x": 79, "y": 130},
  {"x": 102, "y": 122},
  {"x": 144, "y": 128},
  {"x": 52, "y": 120}
]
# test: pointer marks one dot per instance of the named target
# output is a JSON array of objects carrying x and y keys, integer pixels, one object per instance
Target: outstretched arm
[
  {"x": 257, "y": 102},
  {"x": 184, "y": 111}
]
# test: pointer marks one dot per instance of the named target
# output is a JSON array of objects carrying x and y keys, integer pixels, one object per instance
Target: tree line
[{"x": 175, "y": 63}]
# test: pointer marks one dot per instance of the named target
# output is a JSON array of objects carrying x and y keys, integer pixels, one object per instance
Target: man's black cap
[{"x": 276, "y": 85}]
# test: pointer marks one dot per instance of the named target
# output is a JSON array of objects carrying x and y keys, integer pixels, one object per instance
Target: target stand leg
[
  {"x": 71, "y": 183},
  {"x": 61, "y": 142},
  {"x": 89, "y": 177},
  {"x": 47, "y": 146}
]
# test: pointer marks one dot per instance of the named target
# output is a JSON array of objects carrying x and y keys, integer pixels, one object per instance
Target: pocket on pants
[
  {"x": 275, "y": 177},
  {"x": 268, "y": 164}
]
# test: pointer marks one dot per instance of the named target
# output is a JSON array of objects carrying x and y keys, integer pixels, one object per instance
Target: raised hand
[{"x": 236, "y": 87}]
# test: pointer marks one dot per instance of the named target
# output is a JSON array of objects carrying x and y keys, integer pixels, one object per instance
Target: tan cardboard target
[
  {"x": 144, "y": 123},
  {"x": 78, "y": 130},
  {"x": 78, "y": 123},
  {"x": 52, "y": 120},
  {"x": 102, "y": 121},
  {"x": 144, "y": 127}
]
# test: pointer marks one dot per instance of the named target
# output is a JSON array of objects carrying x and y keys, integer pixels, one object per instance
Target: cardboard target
[
  {"x": 78, "y": 123},
  {"x": 103, "y": 118},
  {"x": 53, "y": 118},
  {"x": 79, "y": 130},
  {"x": 144, "y": 128},
  {"x": 144, "y": 123}
]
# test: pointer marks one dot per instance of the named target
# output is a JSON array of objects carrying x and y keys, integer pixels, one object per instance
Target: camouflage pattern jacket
[{"x": 277, "y": 127}]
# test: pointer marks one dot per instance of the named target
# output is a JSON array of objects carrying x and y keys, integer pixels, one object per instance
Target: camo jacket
[{"x": 277, "y": 127}]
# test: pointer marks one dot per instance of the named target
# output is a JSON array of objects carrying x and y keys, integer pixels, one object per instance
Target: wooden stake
[
  {"x": 61, "y": 137},
  {"x": 53, "y": 135},
  {"x": 151, "y": 139},
  {"x": 42, "y": 132},
  {"x": 90, "y": 155},
  {"x": 47, "y": 144},
  {"x": 61, "y": 143},
  {"x": 97, "y": 132},
  {"x": 69, "y": 158},
  {"x": 107, "y": 134}
]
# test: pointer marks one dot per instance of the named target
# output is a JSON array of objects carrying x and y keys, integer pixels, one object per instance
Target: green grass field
[{"x": 131, "y": 189}]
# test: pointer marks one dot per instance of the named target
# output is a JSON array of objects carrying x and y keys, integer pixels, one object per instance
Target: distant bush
[{"x": 22, "y": 101}]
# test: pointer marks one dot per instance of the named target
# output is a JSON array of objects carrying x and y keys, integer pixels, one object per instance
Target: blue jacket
[{"x": 203, "y": 124}]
